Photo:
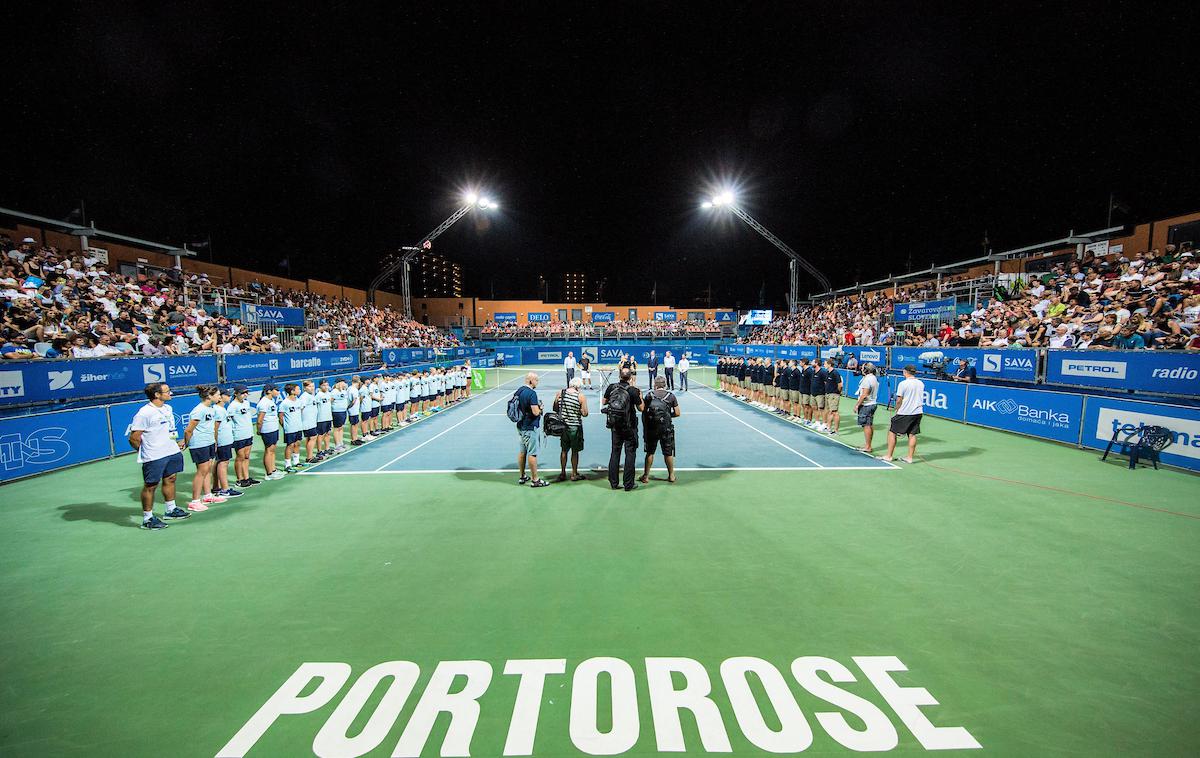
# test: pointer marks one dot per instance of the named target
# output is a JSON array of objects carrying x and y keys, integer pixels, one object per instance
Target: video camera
[{"x": 936, "y": 362}]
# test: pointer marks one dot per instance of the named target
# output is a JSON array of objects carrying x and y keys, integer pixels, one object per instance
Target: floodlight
[{"x": 470, "y": 198}]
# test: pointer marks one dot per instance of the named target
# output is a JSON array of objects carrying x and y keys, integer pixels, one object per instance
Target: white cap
[{"x": 28, "y": 240}]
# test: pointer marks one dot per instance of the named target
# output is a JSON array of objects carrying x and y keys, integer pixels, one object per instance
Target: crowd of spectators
[
  {"x": 511, "y": 329},
  {"x": 1150, "y": 300},
  {"x": 68, "y": 304}
]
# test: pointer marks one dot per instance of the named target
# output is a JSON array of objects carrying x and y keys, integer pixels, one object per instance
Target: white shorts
[{"x": 585, "y": 375}]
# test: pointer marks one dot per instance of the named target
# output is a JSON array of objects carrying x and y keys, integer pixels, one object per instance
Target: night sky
[{"x": 865, "y": 139}]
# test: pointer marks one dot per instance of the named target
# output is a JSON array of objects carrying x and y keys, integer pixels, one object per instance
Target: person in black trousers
[
  {"x": 652, "y": 367},
  {"x": 624, "y": 430}
]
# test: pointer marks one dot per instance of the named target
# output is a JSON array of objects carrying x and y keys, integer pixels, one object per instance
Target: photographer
[
  {"x": 622, "y": 402},
  {"x": 571, "y": 404},
  {"x": 527, "y": 430},
  {"x": 965, "y": 373},
  {"x": 662, "y": 407}
]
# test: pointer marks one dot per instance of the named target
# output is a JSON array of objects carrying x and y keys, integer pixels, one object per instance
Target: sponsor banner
[
  {"x": 945, "y": 399},
  {"x": 757, "y": 318},
  {"x": 665, "y": 316},
  {"x": 538, "y": 317},
  {"x": 395, "y": 356},
  {"x": 1015, "y": 364},
  {"x": 726, "y": 317},
  {"x": 1157, "y": 371},
  {"x": 875, "y": 355},
  {"x": 42, "y": 381},
  {"x": 1052, "y": 415},
  {"x": 272, "y": 314},
  {"x": 268, "y": 365},
  {"x": 120, "y": 416},
  {"x": 47, "y": 441},
  {"x": 1102, "y": 416},
  {"x": 797, "y": 352},
  {"x": 501, "y": 318},
  {"x": 770, "y": 351},
  {"x": 478, "y": 379},
  {"x": 600, "y": 316},
  {"x": 942, "y": 310},
  {"x": 850, "y": 383}
]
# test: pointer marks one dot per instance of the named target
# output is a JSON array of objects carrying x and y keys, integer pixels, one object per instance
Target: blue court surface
[{"x": 714, "y": 433}]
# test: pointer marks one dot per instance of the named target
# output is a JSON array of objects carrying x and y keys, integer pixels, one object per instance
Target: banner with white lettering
[
  {"x": 943, "y": 310},
  {"x": 252, "y": 366},
  {"x": 272, "y": 314},
  {"x": 1102, "y": 416},
  {"x": 46, "y": 441},
  {"x": 23, "y": 382},
  {"x": 1164, "y": 372}
]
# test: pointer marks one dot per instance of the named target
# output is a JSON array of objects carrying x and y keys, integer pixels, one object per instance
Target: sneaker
[
  {"x": 231, "y": 493},
  {"x": 523, "y": 480},
  {"x": 153, "y": 523},
  {"x": 631, "y": 487},
  {"x": 357, "y": 442},
  {"x": 213, "y": 498},
  {"x": 539, "y": 483},
  {"x": 175, "y": 513},
  {"x": 308, "y": 462},
  {"x": 197, "y": 506},
  {"x": 292, "y": 470},
  {"x": 275, "y": 475}
]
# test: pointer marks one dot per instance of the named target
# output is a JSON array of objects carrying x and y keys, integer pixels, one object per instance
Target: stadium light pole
[
  {"x": 726, "y": 200},
  {"x": 408, "y": 254}
]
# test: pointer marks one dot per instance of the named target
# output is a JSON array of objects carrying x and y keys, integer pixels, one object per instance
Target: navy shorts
[
  {"x": 311, "y": 432},
  {"x": 154, "y": 472},
  {"x": 203, "y": 454},
  {"x": 353, "y": 418},
  {"x": 224, "y": 452},
  {"x": 270, "y": 438},
  {"x": 239, "y": 444},
  {"x": 388, "y": 407},
  {"x": 323, "y": 427},
  {"x": 339, "y": 419},
  {"x": 291, "y": 437},
  {"x": 368, "y": 415}
]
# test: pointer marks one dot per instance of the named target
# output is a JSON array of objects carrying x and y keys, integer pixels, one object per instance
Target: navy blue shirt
[
  {"x": 833, "y": 382},
  {"x": 818, "y": 382},
  {"x": 527, "y": 398},
  {"x": 806, "y": 377}
]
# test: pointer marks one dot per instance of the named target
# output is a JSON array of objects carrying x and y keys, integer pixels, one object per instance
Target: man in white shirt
[
  {"x": 910, "y": 407},
  {"x": 569, "y": 367},
  {"x": 669, "y": 369},
  {"x": 154, "y": 436},
  {"x": 868, "y": 401},
  {"x": 683, "y": 366}
]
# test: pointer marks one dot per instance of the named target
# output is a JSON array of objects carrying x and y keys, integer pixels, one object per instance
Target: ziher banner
[
  {"x": 538, "y": 317},
  {"x": 1103, "y": 416},
  {"x": 1038, "y": 413},
  {"x": 726, "y": 317},
  {"x": 42, "y": 381},
  {"x": 601, "y": 316},
  {"x": 46, "y": 441},
  {"x": 665, "y": 316},
  {"x": 1015, "y": 364},
  {"x": 502, "y": 318},
  {"x": 1158, "y": 371},
  {"x": 944, "y": 310},
  {"x": 274, "y": 314},
  {"x": 267, "y": 365}
]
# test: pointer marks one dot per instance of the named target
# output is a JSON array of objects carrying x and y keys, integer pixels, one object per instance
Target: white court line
[
  {"x": 656, "y": 468},
  {"x": 823, "y": 436},
  {"x": 760, "y": 431},
  {"x": 449, "y": 428}
]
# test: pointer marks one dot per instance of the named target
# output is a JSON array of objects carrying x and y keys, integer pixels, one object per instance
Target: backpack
[
  {"x": 659, "y": 411},
  {"x": 618, "y": 408},
  {"x": 515, "y": 414},
  {"x": 552, "y": 421}
]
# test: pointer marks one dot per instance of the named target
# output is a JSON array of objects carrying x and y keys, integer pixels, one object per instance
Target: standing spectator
[
  {"x": 652, "y": 367},
  {"x": 572, "y": 406},
  {"x": 159, "y": 450},
  {"x": 910, "y": 407},
  {"x": 669, "y": 369},
  {"x": 569, "y": 366},
  {"x": 622, "y": 401},
  {"x": 527, "y": 429},
  {"x": 684, "y": 365}
]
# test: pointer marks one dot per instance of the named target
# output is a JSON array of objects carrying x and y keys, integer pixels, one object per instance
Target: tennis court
[
  {"x": 714, "y": 432},
  {"x": 1045, "y": 600}
]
